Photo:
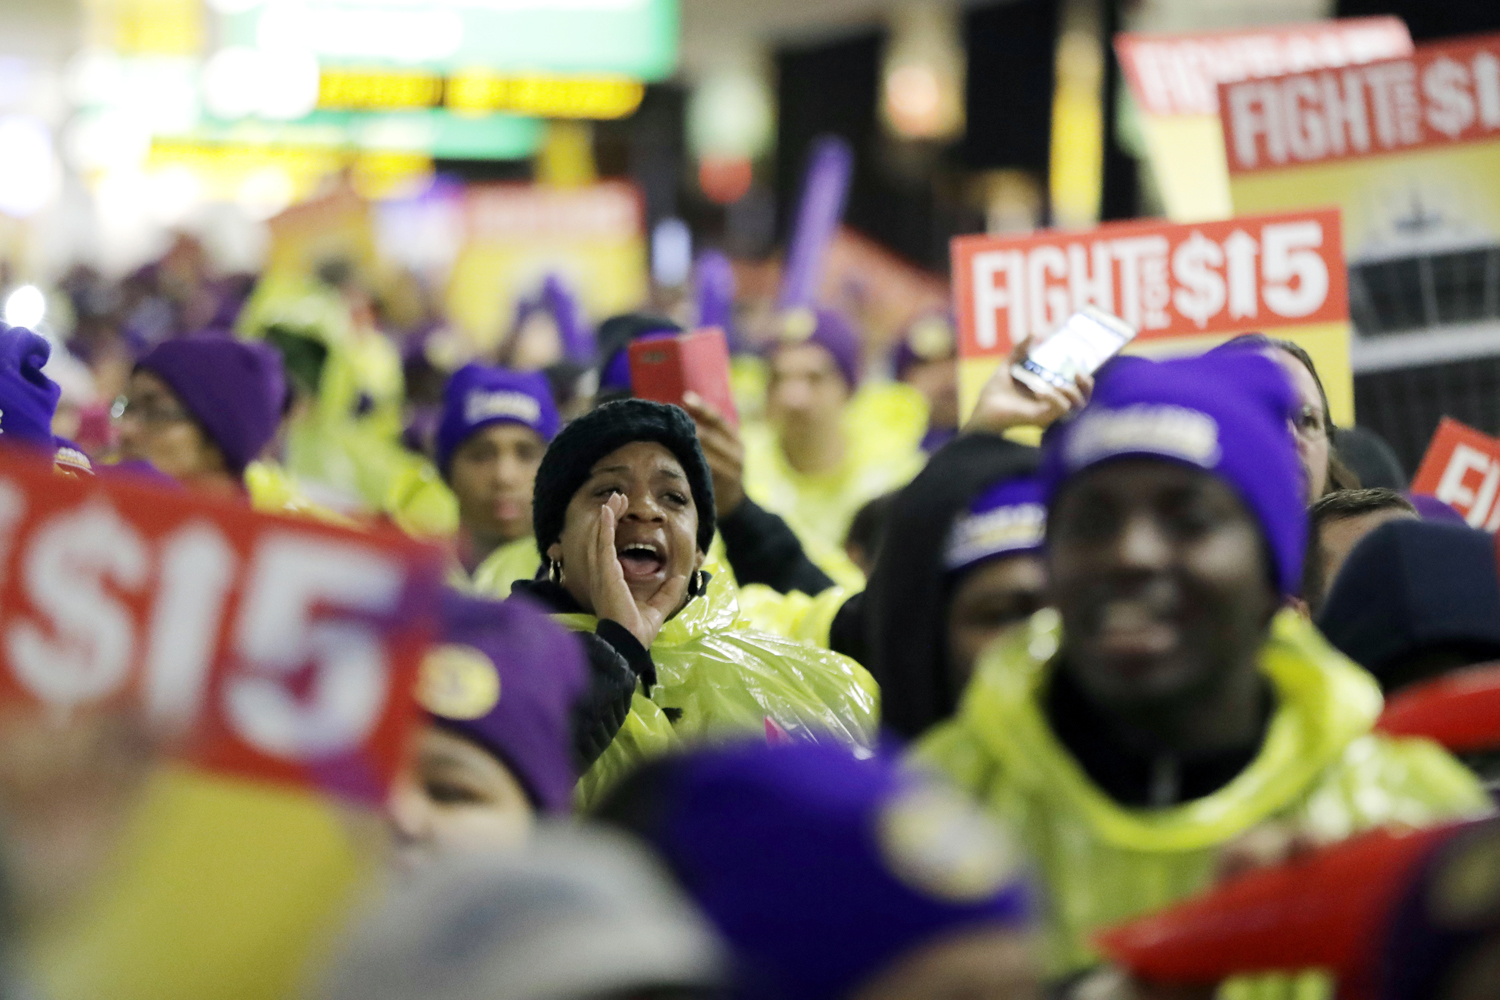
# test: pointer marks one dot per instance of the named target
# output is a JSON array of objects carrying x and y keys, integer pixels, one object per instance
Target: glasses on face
[
  {"x": 1309, "y": 422},
  {"x": 149, "y": 410}
]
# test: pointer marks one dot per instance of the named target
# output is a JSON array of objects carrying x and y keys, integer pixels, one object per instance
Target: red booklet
[{"x": 665, "y": 369}]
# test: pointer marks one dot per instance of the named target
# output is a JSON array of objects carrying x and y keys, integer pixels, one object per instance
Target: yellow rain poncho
[
  {"x": 273, "y": 491},
  {"x": 717, "y": 678},
  {"x": 349, "y": 438},
  {"x": 1320, "y": 769},
  {"x": 884, "y": 425}
]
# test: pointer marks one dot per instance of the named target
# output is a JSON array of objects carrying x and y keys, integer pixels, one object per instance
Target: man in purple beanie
[
  {"x": 495, "y": 427},
  {"x": 202, "y": 409},
  {"x": 821, "y": 458},
  {"x": 1172, "y": 702},
  {"x": 499, "y": 691},
  {"x": 833, "y": 878}
]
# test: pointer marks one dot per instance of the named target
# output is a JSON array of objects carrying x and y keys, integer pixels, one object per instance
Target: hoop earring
[
  {"x": 554, "y": 570},
  {"x": 698, "y": 584}
]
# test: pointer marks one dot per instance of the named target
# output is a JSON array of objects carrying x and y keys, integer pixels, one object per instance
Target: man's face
[
  {"x": 492, "y": 474},
  {"x": 1337, "y": 538},
  {"x": 990, "y": 598},
  {"x": 937, "y": 381},
  {"x": 806, "y": 388},
  {"x": 1161, "y": 578}
]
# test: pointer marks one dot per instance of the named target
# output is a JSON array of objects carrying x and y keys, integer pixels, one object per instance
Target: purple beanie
[
  {"x": 830, "y": 331},
  {"x": 28, "y": 398},
  {"x": 479, "y": 395},
  {"x": 1226, "y": 412},
  {"x": 506, "y": 677},
  {"x": 929, "y": 337},
  {"x": 234, "y": 389},
  {"x": 821, "y": 869},
  {"x": 1432, "y": 509},
  {"x": 1009, "y": 518}
]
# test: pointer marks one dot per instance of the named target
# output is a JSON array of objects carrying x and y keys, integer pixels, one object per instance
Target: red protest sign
[
  {"x": 1462, "y": 469},
  {"x": 1166, "y": 280},
  {"x": 254, "y": 645},
  {"x": 1441, "y": 95}
]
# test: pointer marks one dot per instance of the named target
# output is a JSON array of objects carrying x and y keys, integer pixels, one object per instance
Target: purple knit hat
[
  {"x": 1009, "y": 518},
  {"x": 233, "y": 389},
  {"x": 830, "y": 331},
  {"x": 479, "y": 395},
  {"x": 821, "y": 869},
  {"x": 559, "y": 302},
  {"x": 506, "y": 678},
  {"x": 1226, "y": 412},
  {"x": 28, "y": 398},
  {"x": 929, "y": 337}
]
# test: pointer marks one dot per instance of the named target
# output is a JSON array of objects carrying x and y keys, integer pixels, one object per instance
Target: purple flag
[{"x": 823, "y": 192}]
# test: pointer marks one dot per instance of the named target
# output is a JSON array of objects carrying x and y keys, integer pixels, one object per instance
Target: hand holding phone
[
  {"x": 1089, "y": 338},
  {"x": 1006, "y": 401}
]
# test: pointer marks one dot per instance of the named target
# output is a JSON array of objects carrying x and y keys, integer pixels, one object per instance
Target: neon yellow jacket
[
  {"x": 1320, "y": 769},
  {"x": 350, "y": 438},
  {"x": 884, "y": 425},
  {"x": 720, "y": 678},
  {"x": 273, "y": 491}
]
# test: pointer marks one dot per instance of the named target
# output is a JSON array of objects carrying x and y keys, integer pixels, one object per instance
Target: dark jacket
[
  {"x": 898, "y": 627},
  {"x": 616, "y": 660}
]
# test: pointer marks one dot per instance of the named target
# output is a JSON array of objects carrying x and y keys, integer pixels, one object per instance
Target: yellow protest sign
[{"x": 1174, "y": 80}]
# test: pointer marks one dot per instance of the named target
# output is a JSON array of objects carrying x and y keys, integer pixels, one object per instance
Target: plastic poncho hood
[
  {"x": 716, "y": 678},
  {"x": 1320, "y": 768}
]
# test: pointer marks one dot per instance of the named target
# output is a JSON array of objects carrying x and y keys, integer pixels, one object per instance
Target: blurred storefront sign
[
  {"x": 478, "y": 92},
  {"x": 1410, "y": 150},
  {"x": 631, "y": 38},
  {"x": 1184, "y": 287},
  {"x": 517, "y": 234},
  {"x": 1462, "y": 469},
  {"x": 1174, "y": 81}
]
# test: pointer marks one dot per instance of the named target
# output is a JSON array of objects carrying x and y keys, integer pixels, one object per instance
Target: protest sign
[
  {"x": 516, "y": 234},
  {"x": 1173, "y": 80},
  {"x": 1409, "y": 149},
  {"x": 1462, "y": 469},
  {"x": 251, "y": 645},
  {"x": 1184, "y": 287}
]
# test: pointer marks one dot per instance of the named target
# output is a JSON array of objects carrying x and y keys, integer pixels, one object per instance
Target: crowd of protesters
[{"x": 836, "y": 699}]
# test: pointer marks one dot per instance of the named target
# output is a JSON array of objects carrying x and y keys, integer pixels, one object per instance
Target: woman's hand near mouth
[{"x": 611, "y": 595}]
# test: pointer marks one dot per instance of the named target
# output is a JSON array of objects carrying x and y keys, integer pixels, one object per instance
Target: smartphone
[
  {"x": 1087, "y": 340},
  {"x": 665, "y": 369}
]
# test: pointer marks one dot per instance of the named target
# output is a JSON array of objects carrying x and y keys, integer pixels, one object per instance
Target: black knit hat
[{"x": 585, "y": 441}]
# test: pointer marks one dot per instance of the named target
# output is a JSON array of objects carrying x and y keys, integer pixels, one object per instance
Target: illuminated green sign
[{"x": 633, "y": 38}]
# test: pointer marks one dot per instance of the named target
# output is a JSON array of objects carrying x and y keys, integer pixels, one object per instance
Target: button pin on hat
[
  {"x": 931, "y": 339},
  {"x": 458, "y": 682},
  {"x": 940, "y": 845},
  {"x": 798, "y": 325}
]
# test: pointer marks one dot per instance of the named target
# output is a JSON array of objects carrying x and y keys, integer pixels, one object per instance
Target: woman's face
[
  {"x": 155, "y": 427},
  {"x": 655, "y": 537},
  {"x": 453, "y": 796},
  {"x": 1310, "y": 428}
]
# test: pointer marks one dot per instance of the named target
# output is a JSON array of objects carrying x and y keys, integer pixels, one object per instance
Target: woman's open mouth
[{"x": 642, "y": 561}]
